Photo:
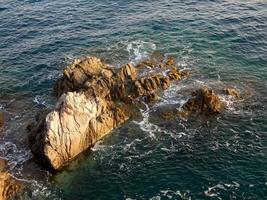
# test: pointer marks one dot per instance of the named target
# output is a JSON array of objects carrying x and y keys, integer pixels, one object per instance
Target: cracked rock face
[
  {"x": 9, "y": 186},
  {"x": 75, "y": 124},
  {"x": 94, "y": 99}
]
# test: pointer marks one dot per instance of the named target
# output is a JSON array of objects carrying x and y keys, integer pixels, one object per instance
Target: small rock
[
  {"x": 146, "y": 63},
  {"x": 175, "y": 74},
  {"x": 169, "y": 114},
  {"x": 151, "y": 98},
  {"x": 232, "y": 92},
  {"x": 185, "y": 73},
  {"x": 170, "y": 61},
  {"x": 204, "y": 101}
]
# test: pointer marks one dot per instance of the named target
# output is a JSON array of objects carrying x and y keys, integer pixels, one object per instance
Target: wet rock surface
[
  {"x": 94, "y": 99},
  {"x": 3, "y": 164},
  {"x": 1, "y": 120},
  {"x": 176, "y": 74},
  {"x": 204, "y": 101},
  {"x": 9, "y": 186}
]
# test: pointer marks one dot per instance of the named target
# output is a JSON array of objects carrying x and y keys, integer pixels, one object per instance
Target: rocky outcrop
[
  {"x": 203, "y": 101},
  {"x": 9, "y": 186},
  {"x": 94, "y": 99}
]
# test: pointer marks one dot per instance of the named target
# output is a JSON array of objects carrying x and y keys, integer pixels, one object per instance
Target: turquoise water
[{"x": 221, "y": 42}]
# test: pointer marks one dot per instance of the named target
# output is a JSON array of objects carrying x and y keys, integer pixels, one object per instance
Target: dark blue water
[{"x": 221, "y": 42}]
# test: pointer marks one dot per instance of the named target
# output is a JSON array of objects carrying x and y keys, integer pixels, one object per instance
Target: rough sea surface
[{"x": 222, "y": 42}]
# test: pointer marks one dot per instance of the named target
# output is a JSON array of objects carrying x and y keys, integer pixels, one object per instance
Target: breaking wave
[{"x": 139, "y": 50}]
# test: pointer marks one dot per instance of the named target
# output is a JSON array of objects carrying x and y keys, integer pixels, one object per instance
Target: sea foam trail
[
  {"x": 145, "y": 125},
  {"x": 16, "y": 157},
  {"x": 40, "y": 100},
  {"x": 139, "y": 50}
]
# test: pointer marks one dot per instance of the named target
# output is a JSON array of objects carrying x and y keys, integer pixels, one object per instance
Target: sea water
[{"x": 222, "y": 43}]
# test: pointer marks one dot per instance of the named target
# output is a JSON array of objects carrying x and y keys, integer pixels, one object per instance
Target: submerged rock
[
  {"x": 169, "y": 114},
  {"x": 94, "y": 99},
  {"x": 203, "y": 101},
  {"x": 9, "y": 186}
]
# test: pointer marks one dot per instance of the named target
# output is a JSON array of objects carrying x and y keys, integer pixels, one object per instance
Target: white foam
[
  {"x": 228, "y": 101},
  {"x": 171, "y": 97},
  {"x": 170, "y": 194},
  {"x": 40, "y": 100},
  {"x": 211, "y": 191},
  {"x": 234, "y": 184},
  {"x": 53, "y": 75},
  {"x": 41, "y": 191},
  {"x": 139, "y": 49},
  {"x": 155, "y": 198},
  {"x": 182, "y": 64},
  {"x": 214, "y": 191},
  {"x": 131, "y": 145},
  {"x": 145, "y": 125},
  {"x": 98, "y": 146},
  {"x": 16, "y": 157}
]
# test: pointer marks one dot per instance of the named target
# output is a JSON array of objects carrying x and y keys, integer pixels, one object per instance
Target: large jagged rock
[
  {"x": 204, "y": 101},
  {"x": 76, "y": 124},
  {"x": 94, "y": 99},
  {"x": 9, "y": 186}
]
